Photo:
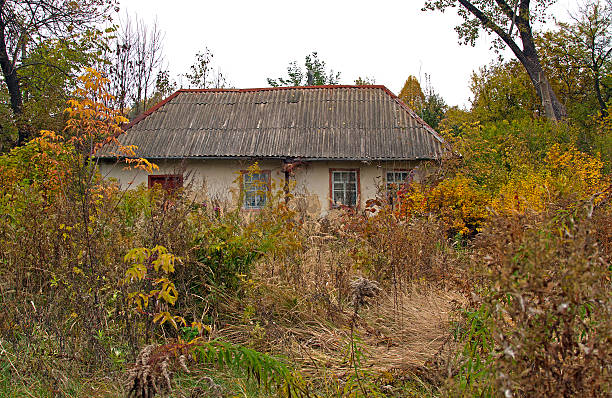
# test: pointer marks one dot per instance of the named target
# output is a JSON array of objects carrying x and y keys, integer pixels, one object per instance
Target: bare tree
[
  {"x": 147, "y": 62},
  {"x": 135, "y": 62},
  {"x": 27, "y": 23},
  {"x": 120, "y": 65}
]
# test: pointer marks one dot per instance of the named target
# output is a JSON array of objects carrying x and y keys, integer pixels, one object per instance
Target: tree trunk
[
  {"x": 528, "y": 55},
  {"x": 596, "y": 82},
  {"x": 553, "y": 108},
  {"x": 13, "y": 85}
]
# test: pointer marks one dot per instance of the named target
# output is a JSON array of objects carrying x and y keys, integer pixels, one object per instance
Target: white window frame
[
  {"x": 255, "y": 189},
  {"x": 339, "y": 185}
]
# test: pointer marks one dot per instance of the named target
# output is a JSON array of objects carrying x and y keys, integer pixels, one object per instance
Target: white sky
[{"x": 387, "y": 40}]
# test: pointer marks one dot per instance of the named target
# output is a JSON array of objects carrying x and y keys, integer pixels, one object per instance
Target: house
[{"x": 335, "y": 145}]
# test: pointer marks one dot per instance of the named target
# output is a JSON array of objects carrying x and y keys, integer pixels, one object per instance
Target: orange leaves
[
  {"x": 91, "y": 123},
  {"x": 141, "y": 163}
]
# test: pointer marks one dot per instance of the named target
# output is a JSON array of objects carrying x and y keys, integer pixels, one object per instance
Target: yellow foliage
[
  {"x": 528, "y": 192},
  {"x": 564, "y": 172},
  {"x": 456, "y": 201},
  {"x": 142, "y": 261},
  {"x": 412, "y": 94},
  {"x": 575, "y": 171},
  {"x": 459, "y": 204}
]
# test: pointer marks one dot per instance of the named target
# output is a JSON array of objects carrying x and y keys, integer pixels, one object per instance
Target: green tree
[
  {"x": 313, "y": 74},
  {"x": 28, "y": 30},
  {"x": 511, "y": 21},
  {"x": 204, "y": 74},
  {"x": 502, "y": 92},
  {"x": 434, "y": 107}
]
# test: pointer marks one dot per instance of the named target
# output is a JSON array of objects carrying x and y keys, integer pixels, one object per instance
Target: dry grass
[
  {"x": 300, "y": 306},
  {"x": 408, "y": 336}
]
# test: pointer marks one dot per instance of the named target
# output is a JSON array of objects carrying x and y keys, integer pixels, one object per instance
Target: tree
[
  {"x": 412, "y": 94},
  {"x": 589, "y": 40},
  {"x": 434, "y": 106},
  {"x": 27, "y": 24},
  {"x": 365, "y": 81},
  {"x": 510, "y": 21},
  {"x": 133, "y": 63},
  {"x": 164, "y": 86},
  {"x": 314, "y": 74},
  {"x": 429, "y": 105},
  {"x": 502, "y": 92},
  {"x": 203, "y": 73}
]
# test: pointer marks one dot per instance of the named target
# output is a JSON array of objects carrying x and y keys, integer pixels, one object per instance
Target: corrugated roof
[{"x": 315, "y": 122}]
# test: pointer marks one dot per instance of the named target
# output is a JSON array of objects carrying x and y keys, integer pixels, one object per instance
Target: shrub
[{"x": 549, "y": 308}]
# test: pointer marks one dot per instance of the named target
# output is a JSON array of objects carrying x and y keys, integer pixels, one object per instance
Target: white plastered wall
[{"x": 215, "y": 179}]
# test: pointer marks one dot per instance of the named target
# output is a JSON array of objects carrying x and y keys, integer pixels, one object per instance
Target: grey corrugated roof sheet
[{"x": 316, "y": 122}]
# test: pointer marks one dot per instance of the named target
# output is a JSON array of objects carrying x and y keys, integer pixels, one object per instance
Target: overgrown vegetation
[{"x": 491, "y": 277}]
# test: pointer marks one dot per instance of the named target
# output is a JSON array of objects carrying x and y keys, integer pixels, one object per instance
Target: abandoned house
[{"x": 334, "y": 145}]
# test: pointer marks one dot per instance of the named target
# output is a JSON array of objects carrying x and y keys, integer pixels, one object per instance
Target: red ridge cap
[{"x": 245, "y": 90}]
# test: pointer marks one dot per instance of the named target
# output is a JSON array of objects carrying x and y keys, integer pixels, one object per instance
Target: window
[
  {"x": 169, "y": 182},
  {"x": 395, "y": 179},
  {"x": 256, "y": 187},
  {"x": 344, "y": 186}
]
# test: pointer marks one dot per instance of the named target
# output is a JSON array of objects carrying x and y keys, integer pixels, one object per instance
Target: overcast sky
[{"x": 386, "y": 40}]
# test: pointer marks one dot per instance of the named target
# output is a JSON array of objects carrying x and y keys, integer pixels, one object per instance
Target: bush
[{"x": 547, "y": 309}]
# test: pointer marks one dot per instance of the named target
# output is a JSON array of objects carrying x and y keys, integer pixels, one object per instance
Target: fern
[
  {"x": 269, "y": 372},
  {"x": 155, "y": 366}
]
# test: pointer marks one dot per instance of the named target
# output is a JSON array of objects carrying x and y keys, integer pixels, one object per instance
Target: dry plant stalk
[{"x": 152, "y": 372}]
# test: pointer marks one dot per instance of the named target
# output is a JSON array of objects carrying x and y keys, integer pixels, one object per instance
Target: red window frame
[{"x": 332, "y": 205}]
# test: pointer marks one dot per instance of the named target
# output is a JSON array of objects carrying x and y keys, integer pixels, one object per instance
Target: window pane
[
  {"x": 351, "y": 199},
  {"x": 398, "y": 177},
  {"x": 338, "y": 197},
  {"x": 255, "y": 188},
  {"x": 344, "y": 188}
]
